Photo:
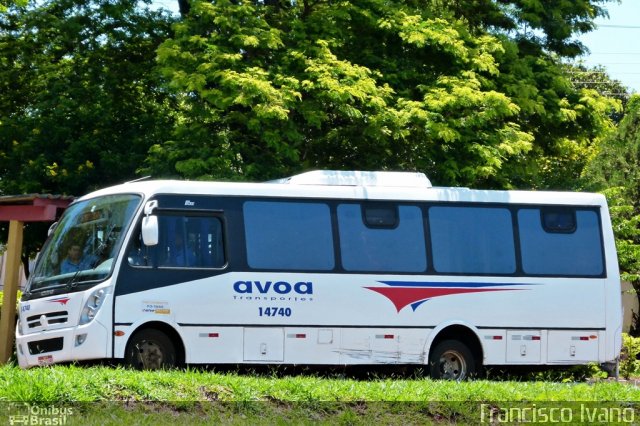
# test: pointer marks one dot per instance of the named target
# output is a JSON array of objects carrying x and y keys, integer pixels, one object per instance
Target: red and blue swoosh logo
[
  {"x": 60, "y": 300},
  {"x": 405, "y": 293}
]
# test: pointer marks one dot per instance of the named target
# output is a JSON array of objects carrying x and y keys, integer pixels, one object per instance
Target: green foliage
[
  {"x": 618, "y": 159},
  {"x": 463, "y": 91},
  {"x": 597, "y": 78},
  {"x": 630, "y": 359},
  {"x": 626, "y": 227},
  {"x": 5, "y": 4},
  {"x": 567, "y": 121},
  {"x": 615, "y": 170},
  {"x": 270, "y": 88},
  {"x": 541, "y": 25},
  {"x": 81, "y": 105}
]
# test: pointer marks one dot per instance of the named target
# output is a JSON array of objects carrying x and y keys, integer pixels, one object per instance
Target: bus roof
[{"x": 399, "y": 186}]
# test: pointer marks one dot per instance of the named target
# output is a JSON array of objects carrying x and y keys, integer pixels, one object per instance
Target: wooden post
[{"x": 11, "y": 282}]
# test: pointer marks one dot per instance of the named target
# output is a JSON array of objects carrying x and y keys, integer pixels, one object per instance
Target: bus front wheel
[
  {"x": 150, "y": 349},
  {"x": 451, "y": 360}
]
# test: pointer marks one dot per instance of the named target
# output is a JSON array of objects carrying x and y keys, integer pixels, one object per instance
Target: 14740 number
[{"x": 274, "y": 312}]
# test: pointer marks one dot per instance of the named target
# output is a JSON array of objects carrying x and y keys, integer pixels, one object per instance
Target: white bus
[{"x": 326, "y": 268}]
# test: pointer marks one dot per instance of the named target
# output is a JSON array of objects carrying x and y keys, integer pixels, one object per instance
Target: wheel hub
[
  {"x": 453, "y": 365},
  {"x": 149, "y": 355}
]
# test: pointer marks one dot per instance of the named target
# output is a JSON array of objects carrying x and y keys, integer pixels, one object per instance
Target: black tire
[
  {"x": 451, "y": 360},
  {"x": 150, "y": 350}
]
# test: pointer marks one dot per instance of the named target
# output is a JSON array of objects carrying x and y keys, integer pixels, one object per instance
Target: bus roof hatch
[{"x": 358, "y": 178}]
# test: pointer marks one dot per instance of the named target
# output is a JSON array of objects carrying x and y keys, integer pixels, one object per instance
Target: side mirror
[
  {"x": 150, "y": 224},
  {"x": 150, "y": 230}
]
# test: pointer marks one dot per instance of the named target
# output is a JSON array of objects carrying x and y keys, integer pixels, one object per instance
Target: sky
[{"x": 615, "y": 44}]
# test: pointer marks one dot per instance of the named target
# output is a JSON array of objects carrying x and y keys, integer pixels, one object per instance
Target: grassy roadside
[
  {"x": 90, "y": 384},
  {"x": 109, "y": 395}
]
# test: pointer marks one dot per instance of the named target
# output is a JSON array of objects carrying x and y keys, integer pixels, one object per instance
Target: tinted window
[
  {"x": 472, "y": 240},
  {"x": 288, "y": 235},
  {"x": 189, "y": 241},
  {"x": 576, "y": 253},
  {"x": 380, "y": 216},
  {"x": 184, "y": 242},
  {"x": 365, "y": 248},
  {"x": 558, "y": 220}
]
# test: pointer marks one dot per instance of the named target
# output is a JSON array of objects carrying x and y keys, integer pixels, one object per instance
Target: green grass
[
  {"x": 101, "y": 383},
  {"x": 112, "y": 395}
]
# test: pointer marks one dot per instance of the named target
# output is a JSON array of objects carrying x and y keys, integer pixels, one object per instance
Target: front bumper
[{"x": 66, "y": 344}]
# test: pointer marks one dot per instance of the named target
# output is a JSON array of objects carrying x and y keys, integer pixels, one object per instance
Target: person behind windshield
[{"x": 76, "y": 260}]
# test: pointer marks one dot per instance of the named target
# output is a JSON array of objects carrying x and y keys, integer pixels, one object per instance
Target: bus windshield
[{"x": 81, "y": 248}]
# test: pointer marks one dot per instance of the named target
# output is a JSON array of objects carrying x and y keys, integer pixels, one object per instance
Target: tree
[
  {"x": 80, "y": 104},
  {"x": 268, "y": 90},
  {"x": 454, "y": 89},
  {"x": 567, "y": 121},
  {"x": 615, "y": 170},
  {"x": 597, "y": 78},
  {"x": 540, "y": 25},
  {"x": 617, "y": 162}
]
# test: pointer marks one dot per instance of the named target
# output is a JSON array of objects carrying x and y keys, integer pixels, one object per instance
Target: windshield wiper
[
  {"x": 31, "y": 290},
  {"x": 73, "y": 282}
]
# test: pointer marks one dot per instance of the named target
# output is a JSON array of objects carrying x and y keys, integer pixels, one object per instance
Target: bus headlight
[{"x": 92, "y": 306}]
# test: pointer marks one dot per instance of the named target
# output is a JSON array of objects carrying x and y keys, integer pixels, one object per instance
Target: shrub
[{"x": 629, "y": 362}]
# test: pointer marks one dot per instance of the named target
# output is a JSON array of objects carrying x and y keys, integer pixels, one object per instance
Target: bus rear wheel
[
  {"x": 150, "y": 350},
  {"x": 451, "y": 360}
]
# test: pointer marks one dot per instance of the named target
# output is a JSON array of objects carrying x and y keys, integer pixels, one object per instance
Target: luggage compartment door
[
  {"x": 264, "y": 344},
  {"x": 573, "y": 346},
  {"x": 523, "y": 346}
]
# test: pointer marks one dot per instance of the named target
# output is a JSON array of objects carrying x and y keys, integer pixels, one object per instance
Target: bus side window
[
  {"x": 380, "y": 238},
  {"x": 185, "y": 242},
  {"x": 286, "y": 235},
  {"x": 191, "y": 242},
  {"x": 472, "y": 240},
  {"x": 565, "y": 242}
]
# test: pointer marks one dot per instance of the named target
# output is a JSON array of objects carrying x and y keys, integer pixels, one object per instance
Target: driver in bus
[
  {"x": 76, "y": 261},
  {"x": 180, "y": 254}
]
